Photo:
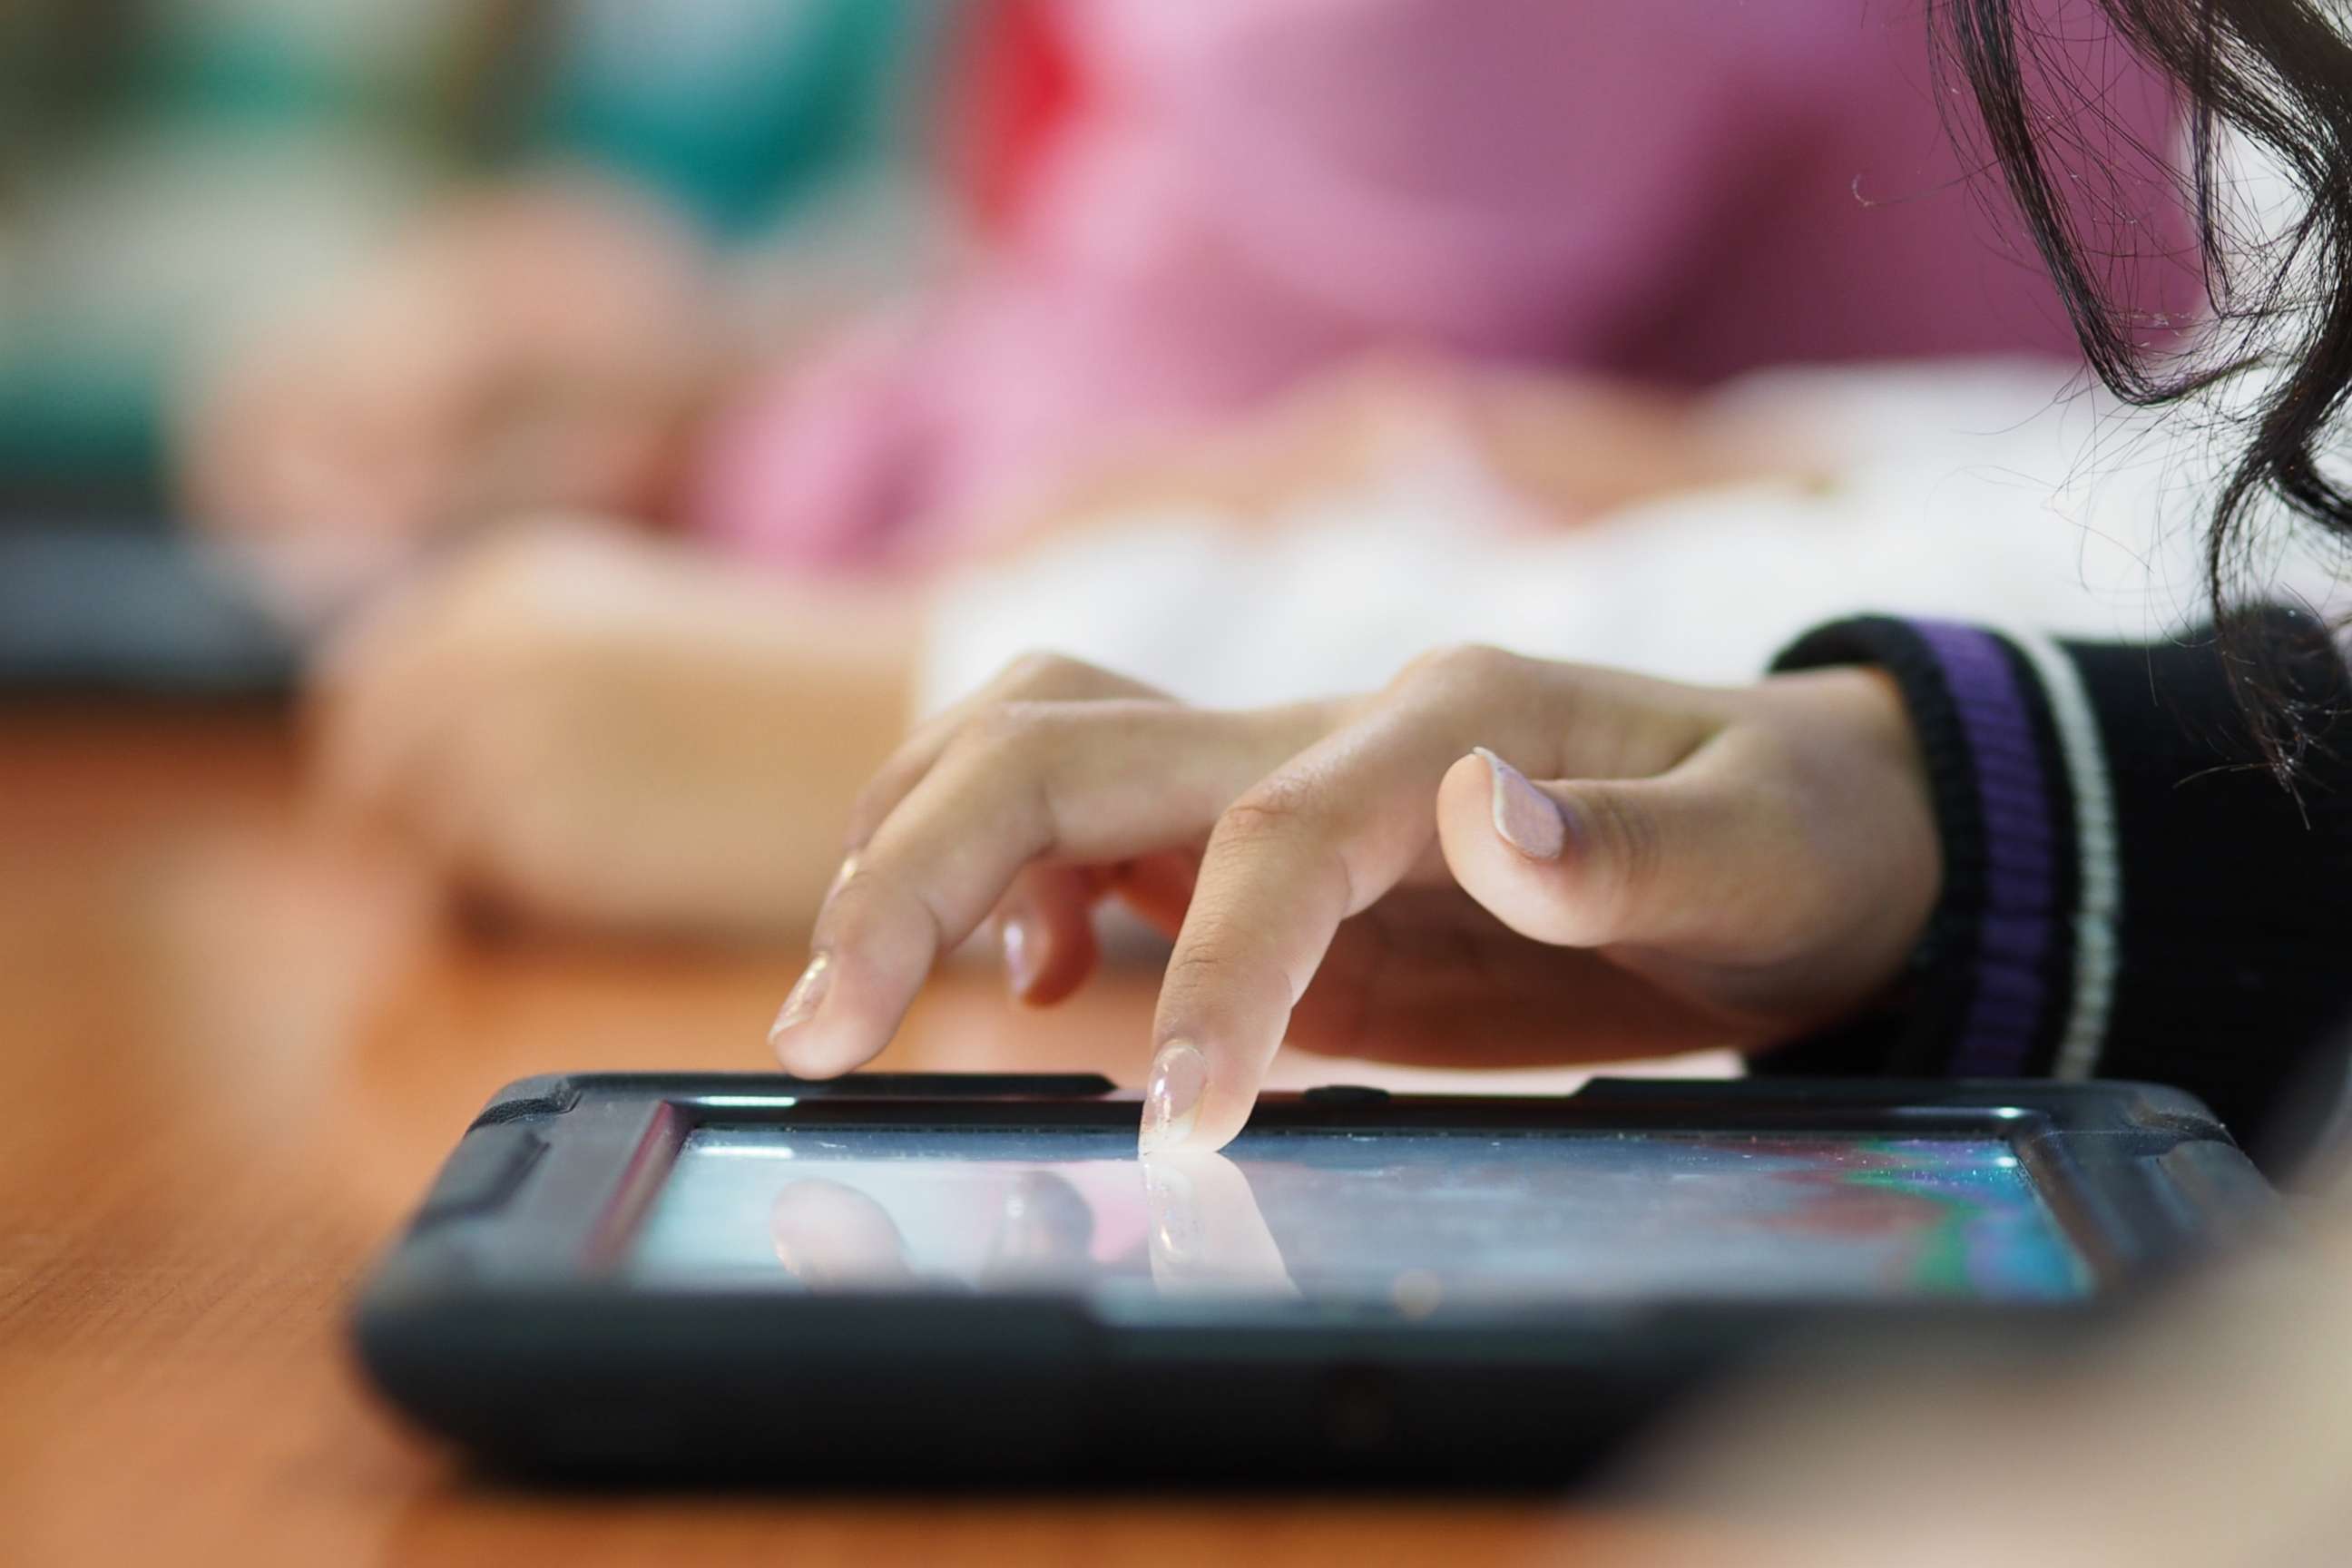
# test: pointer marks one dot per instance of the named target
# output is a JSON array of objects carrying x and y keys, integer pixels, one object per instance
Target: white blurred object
[{"x": 1995, "y": 490}]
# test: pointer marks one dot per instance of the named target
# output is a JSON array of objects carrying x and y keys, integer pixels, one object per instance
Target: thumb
[{"x": 1596, "y": 862}]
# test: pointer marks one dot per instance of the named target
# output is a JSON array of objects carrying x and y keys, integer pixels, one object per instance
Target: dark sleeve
[{"x": 2128, "y": 891}]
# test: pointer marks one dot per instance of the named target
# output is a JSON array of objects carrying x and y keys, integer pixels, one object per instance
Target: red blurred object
[{"x": 1016, "y": 86}]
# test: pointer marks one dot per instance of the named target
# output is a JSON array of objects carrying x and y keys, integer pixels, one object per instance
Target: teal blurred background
[{"x": 169, "y": 169}]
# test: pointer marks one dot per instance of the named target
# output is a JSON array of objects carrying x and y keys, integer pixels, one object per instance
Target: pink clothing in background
[{"x": 1251, "y": 190}]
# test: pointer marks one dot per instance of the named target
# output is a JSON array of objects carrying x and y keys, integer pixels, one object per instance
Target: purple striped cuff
[{"x": 2017, "y": 925}]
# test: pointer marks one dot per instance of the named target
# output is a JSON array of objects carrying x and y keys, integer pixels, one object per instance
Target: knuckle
[
  {"x": 1006, "y": 732},
  {"x": 1222, "y": 977},
  {"x": 1041, "y": 671},
  {"x": 853, "y": 893},
  {"x": 1196, "y": 969},
  {"x": 1627, "y": 838},
  {"x": 1460, "y": 669},
  {"x": 1272, "y": 808},
  {"x": 1218, "y": 975}
]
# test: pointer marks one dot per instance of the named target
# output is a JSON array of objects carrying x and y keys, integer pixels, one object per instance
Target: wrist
[
  {"x": 1877, "y": 816},
  {"x": 1989, "y": 968}
]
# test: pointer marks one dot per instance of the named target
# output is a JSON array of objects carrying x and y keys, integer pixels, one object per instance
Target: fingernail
[
  {"x": 1171, "y": 1096},
  {"x": 848, "y": 869},
  {"x": 807, "y": 996},
  {"x": 1025, "y": 951},
  {"x": 1526, "y": 818}
]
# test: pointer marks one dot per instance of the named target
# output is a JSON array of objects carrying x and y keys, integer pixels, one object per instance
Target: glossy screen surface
[{"x": 1419, "y": 1220}]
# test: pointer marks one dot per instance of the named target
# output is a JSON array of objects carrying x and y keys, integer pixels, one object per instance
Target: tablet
[{"x": 941, "y": 1279}]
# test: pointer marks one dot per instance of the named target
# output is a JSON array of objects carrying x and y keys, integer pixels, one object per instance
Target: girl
[{"x": 1916, "y": 846}]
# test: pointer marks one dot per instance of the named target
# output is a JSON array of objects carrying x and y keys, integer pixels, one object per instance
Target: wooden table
[{"x": 235, "y": 1051}]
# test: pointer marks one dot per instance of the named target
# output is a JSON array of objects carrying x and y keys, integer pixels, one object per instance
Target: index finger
[{"x": 1304, "y": 849}]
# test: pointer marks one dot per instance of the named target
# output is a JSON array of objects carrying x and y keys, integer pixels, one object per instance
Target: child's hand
[
  {"x": 1569, "y": 447},
  {"x": 538, "y": 348},
  {"x": 585, "y": 727},
  {"x": 1693, "y": 867}
]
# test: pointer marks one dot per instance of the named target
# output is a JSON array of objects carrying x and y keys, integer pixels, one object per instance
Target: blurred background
[
  {"x": 616, "y": 422},
  {"x": 179, "y": 180}
]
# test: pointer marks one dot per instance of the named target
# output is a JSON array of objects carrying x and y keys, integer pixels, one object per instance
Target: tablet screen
[{"x": 1415, "y": 1219}]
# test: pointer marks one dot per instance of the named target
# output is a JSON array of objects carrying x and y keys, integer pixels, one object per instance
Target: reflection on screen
[{"x": 1418, "y": 1220}]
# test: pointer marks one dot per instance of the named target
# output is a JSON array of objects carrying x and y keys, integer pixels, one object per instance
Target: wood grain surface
[{"x": 235, "y": 1048}]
